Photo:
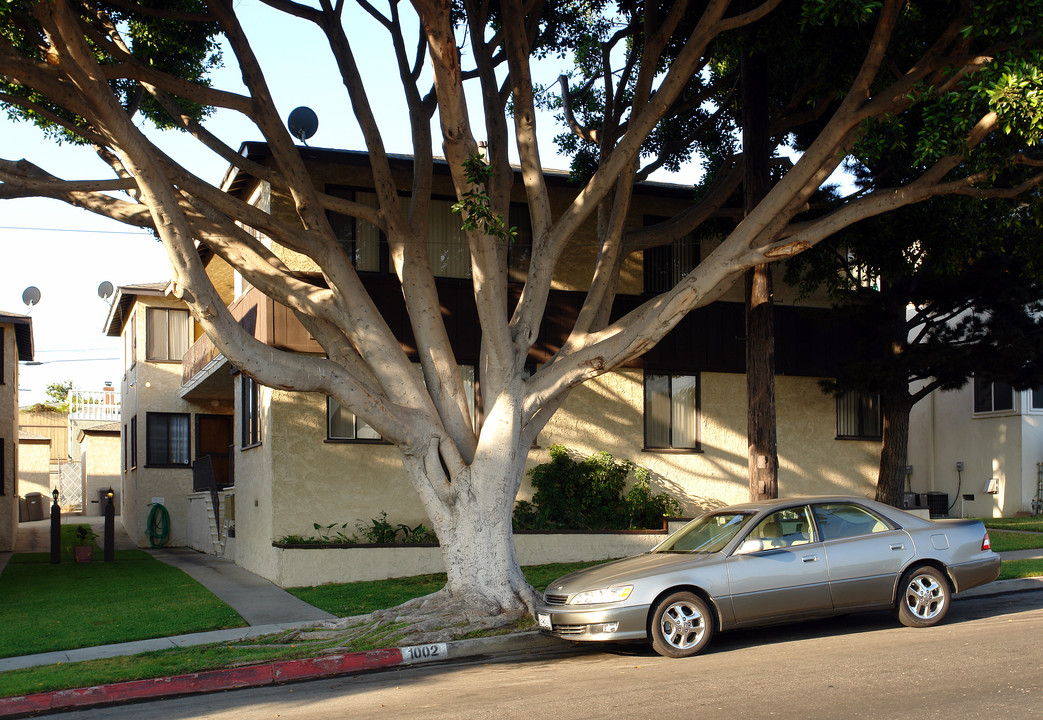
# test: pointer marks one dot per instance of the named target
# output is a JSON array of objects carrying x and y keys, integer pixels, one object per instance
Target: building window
[
  {"x": 364, "y": 244},
  {"x": 130, "y": 342},
  {"x": 344, "y": 425},
  {"x": 666, "y": 265},
  {"x": 859, "y": 416},
  {"x": 251, "y": 412},
  {"x": 167, "y": 334},
  {"x": 1036, "y": 398},
  {"x": 447, "y": 247},
  {"x": 167, "y": 439},
  {"x": 671, "y": 412},
  {"x": 134, "y": 441},
  {"x": 519, "y": 250},
  {"x": 992, "y": 396}
]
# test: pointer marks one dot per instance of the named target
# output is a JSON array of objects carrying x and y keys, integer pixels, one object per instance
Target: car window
[
  {"x": 707, "y": 534},
  {"x": 785, "y": 528},
  {"x": 844, "y": 520}
]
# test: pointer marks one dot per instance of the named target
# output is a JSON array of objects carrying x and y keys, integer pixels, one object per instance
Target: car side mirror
[{"x": 750, "y": 545}]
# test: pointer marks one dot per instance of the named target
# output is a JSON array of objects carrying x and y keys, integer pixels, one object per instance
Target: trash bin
[
  {"x": 35, "y": 506},
  {"x": 23, "y": 510}
]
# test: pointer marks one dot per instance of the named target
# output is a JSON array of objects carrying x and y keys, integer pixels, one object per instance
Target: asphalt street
[{"x": 983, "y": 661}]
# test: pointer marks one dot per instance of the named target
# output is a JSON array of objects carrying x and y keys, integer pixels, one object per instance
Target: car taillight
[{"x": 986, "y": 544}]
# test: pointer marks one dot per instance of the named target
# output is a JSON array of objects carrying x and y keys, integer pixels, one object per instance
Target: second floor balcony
[{"x": 205, "y": 371}]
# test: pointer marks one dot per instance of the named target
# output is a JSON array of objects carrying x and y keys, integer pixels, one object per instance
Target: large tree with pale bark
[{"x": 101, "y": 72}]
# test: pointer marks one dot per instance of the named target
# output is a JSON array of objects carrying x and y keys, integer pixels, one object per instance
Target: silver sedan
[{"x": 769, "y": 562}]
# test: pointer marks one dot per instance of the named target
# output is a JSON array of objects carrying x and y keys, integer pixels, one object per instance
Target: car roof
[{"x": 758, "y": 505}]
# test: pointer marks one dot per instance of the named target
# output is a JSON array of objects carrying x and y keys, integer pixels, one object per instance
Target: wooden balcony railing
[{"x": 268, "y": 321}]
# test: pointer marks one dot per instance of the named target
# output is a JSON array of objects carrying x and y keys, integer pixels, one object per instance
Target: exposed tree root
[{"x": 430, "y": 619}]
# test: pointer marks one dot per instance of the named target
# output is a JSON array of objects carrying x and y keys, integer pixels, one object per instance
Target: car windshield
[{"x": 708, "y": 534}]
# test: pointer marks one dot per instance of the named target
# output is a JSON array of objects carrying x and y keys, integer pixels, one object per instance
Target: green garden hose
[{"x": 158, "y": 529}]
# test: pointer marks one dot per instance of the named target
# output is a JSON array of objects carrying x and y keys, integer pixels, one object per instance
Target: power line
[{"x": 76, "y": 230}]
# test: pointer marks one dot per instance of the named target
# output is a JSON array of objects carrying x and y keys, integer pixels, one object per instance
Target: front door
[{"x": 213, "y": 440}]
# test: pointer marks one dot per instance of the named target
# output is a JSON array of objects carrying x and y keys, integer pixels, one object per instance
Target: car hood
[{"x": 629, "y": 570}]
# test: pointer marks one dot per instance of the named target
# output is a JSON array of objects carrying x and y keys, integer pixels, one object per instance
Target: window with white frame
[
  {"x": 992, "y": 396},
  {"x": 859, "y": 416},
  {"x": 1036, "y": 398},
  {"x": 671, "y": 412},
  {"x": 167, "y": 333},
  {"x": 167, "y": 439}
]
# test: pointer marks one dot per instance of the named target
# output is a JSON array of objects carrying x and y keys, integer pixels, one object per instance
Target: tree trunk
[
  {"x": 760, "y": 385},
  {"x": 890, "y": 483},
  {"x": 474, "y": 523},
  {"x": 760, "y": 322}
]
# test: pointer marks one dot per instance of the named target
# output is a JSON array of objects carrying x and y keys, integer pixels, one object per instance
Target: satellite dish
[
  {"x": 31, "y": 296},
  {"x": 105, "y": 290},
  {"x": 303, "y": 122}
]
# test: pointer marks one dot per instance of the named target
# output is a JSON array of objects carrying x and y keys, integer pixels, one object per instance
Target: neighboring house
[
  {"x": 979, "y": 449},
  {"x": 99, "y": 450},
  {"x": 299, "y": 459},
  {"x": 163, "y": 433},
  {"x": 16, "y": 345},
  {"x": 34, "y": 466}
]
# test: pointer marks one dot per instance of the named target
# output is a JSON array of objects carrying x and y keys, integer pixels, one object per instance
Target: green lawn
[
  {"x": 357, "y": 598},
  {"x": 1032, "y": 524},
  {"x": 1003, "y": 541},
  {"x": 66, "y": 606}
]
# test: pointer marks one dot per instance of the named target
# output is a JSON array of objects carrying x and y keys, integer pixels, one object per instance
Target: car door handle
[
  {"x": 809, "y": 558},
  {"x": 898, "y": 546}
]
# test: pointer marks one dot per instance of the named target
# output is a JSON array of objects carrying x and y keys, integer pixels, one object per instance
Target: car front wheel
[
  {"x": 923, "y": 598},
  {"x": 681, "y": 625}
]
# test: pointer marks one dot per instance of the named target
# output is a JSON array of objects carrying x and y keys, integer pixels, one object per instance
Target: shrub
[{"x": 587, "y": 494}]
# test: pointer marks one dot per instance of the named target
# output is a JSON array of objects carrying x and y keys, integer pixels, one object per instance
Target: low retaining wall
[{"x": 299, "y": 566}]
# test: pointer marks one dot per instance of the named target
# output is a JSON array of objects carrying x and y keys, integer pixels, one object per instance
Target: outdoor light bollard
[
  {"x": 56, "y": 530},
  {"x": 110, "y": 528}
]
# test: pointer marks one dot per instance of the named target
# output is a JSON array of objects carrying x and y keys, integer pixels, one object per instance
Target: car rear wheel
[
  {"x": 923, "y": 598},
  {"x": 681, "y": 625}
]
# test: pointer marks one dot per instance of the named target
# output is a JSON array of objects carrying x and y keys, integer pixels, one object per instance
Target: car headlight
[{"x": 604, "y": 595}]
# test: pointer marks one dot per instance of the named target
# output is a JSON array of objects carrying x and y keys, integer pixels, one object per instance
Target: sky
[{"x": 67, "y": 253}]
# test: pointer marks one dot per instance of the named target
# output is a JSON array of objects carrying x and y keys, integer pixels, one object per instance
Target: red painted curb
[{"x": 202, "y": 682}]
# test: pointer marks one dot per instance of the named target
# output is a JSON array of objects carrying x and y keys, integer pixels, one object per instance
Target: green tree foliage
[
  {"x": 58, "y": 394},
  {"x": 587, "y": 494},
  {"x": 934, "y": 294}
]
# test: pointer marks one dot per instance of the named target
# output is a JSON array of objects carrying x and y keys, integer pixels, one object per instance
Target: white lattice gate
[{"x": 70, "y": 487}]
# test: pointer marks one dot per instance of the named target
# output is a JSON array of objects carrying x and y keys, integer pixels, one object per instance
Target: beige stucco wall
[
  {"x": 606, "y": 414},
  {"x": 296, "y": 479},
  {"x": 1007, "y": 446},
  {"x": 34, "y": 467},
  {"x": 155, "y": 387},
  {"x": 9, "y": 435}
]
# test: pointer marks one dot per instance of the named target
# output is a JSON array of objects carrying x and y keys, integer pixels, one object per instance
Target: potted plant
[{"x": 83, "y": 548}]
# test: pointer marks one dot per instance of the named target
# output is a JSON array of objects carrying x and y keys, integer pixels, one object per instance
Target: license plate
[{"x": 544, "y": 621}]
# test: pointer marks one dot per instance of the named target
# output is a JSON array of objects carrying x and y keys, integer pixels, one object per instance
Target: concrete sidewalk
[{"x": 259, "y": 602}]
